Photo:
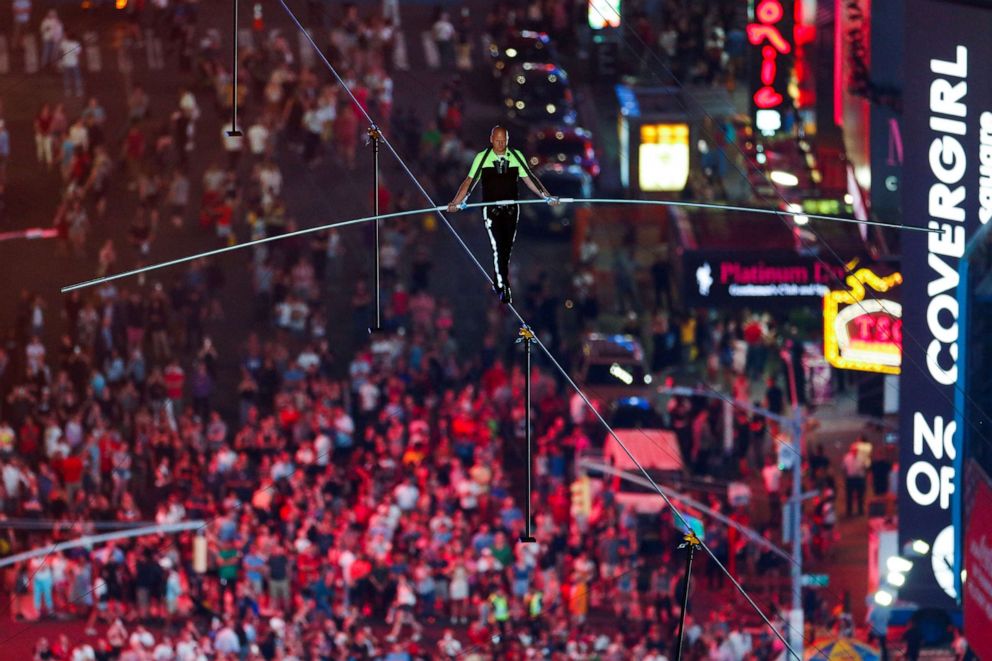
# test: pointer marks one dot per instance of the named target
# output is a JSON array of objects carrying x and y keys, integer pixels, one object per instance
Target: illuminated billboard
[
  {"x": 861, "y": 334},
  {"x": 734, "y": 278},
  {"x": 604, "y": 13},
  {"x": 770, "y": 33},
  {"x": 978, "y": 562},
  {"x": 946, "y": 117},
  {"x": 663, "y": 157}
]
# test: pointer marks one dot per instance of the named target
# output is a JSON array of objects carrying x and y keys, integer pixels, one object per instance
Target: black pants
[
  {"x": 855, "y": 488},
  {"x": 501, "y": 223}
]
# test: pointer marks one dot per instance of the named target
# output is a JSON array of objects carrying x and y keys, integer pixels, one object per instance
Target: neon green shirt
[{"x": 512, "y": 157}]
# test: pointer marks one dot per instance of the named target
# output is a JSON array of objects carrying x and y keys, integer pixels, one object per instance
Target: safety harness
[{"x": 477, "y": 175}]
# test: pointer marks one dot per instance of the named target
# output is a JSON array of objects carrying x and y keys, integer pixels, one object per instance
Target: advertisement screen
[
  {"x": 663, "y": 157},
  {"x": 860, "y": 334},
  {"x": 947, "y": 116},
  {"x": 978, "y": 564},
  {"x": 722, "y": 278}
]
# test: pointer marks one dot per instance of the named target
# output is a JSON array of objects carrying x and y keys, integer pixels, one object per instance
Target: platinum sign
[{"x": 947, "y": 90}]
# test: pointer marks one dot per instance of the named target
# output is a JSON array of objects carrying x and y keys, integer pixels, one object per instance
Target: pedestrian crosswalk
[
  {"x": 246, "y": 38},
  {"x": 306, "y": 49},
  {"x": 154, "y": 51},
  {"x": 4, "y": 56},
  {"x": 431, "y": 54},
  {"x": 97, "y": 50},
  {"x": 400, "y": 59},
  {"x": 101, "y": 53},
  {"x": 30, "y": 44},
  {"x": 91, "y": 52}
]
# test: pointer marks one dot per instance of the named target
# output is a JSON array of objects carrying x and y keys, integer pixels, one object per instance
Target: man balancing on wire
[{"x": 499, "y": 168}]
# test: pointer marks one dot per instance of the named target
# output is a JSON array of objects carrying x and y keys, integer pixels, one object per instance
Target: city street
[{"x": 379, "y": 483}]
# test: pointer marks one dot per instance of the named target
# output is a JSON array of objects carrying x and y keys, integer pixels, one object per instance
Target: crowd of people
[{"x": 366, "y": 505}]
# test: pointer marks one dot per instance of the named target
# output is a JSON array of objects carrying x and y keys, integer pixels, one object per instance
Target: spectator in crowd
[
  {"x": 52, "y": 32},
  {"x": 69, "y": 58},
  {"x": 339, "y": 489},
  {"x": 855, "y": 481}
]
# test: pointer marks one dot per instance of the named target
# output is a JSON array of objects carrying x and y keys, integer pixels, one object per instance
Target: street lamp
[
  {"x": 898, "y": 564},
  {"x": 896, "y": 579}
]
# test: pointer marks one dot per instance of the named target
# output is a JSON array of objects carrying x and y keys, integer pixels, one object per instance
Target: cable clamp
[
  {"x": 690, "y": 540},
  {"x": 526, "y": 334}
]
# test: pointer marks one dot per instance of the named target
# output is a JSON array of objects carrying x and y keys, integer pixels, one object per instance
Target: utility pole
[
  {"x": 796, "y": 623},
  {"x": 794, "y": 424}
]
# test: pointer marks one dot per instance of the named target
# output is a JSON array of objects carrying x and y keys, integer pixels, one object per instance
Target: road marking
[
  {"x": 4, "y": 57},
  {"x": 430, "y": 50},
  {"x": 246, "y": 39},
  {"x": 391, "y": 10},
  {"x": 153, "y": 51},
  {"x": 400, "y": 59},
  {"x": 306, "y": 50},
  {"x": 30, "y": 54},
  {"x": 124, "y": 63},
  {"x": 463, "y": 56},
  {"x": 91, "y": 48}
]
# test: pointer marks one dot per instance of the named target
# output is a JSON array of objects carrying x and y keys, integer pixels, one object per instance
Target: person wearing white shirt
[
  {"x": 13, "y": 479},
  {"x": 258, "y": 139},
  {"x": 232, "y": 145},
  {"x": 772, "y": 478},
  {"x": 270, "y": 181},
  {"x": 79, "y": 136},
  {"x": 52, "y": 32},
  {"x": 72, "y": 76},
  {"x": 163, "y": 652},
  {"x": 443, "y": 32},
  {"x": 227, "y": 641},
  {"x": 449, "y": 646},
  {"x": 191, "y": 109},
  {"x": 322, "y": 448},
  {"x": 188, "y": 649},
  {"x": 406, "y": 495}
]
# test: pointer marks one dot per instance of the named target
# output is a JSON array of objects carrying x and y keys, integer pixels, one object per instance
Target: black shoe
[{"x": 506, "y": 297}]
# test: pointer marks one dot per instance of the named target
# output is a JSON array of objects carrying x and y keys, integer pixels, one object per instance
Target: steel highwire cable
[{"x": 485, "y": 274}]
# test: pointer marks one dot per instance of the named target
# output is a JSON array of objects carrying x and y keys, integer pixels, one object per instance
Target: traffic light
[{"x": 581, "y": 496}]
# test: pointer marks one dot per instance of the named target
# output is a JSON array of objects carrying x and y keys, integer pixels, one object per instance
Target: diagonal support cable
[{"x": 537, "y": 339}]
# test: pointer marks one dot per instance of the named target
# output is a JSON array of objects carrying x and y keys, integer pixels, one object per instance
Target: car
[
  {"x": 571, "y": 181},
  {"x": 536, "y": 93},
  {"x": 658, "y": 453},
  {"x": 613, "y": 367},
  {"x": 634, "y": 413},
  {"x": 563, "y": 145},
  {"x": 521, "y": 46}
]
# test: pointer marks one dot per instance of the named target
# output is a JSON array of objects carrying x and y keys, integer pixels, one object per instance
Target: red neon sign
[
  {"x": 879, "y": 328},
  {"x": 767, "y": 34},
  {"x": 861, "y": 334}
]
